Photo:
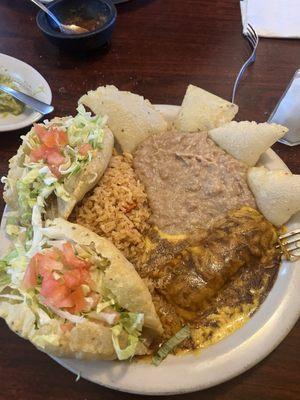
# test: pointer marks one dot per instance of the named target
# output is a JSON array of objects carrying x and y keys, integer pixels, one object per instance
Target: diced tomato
[
  {"x": 65, "y": 302},
  {"x": 61, "y": 137},
  {"x": 49, "y": 285},
  {"x": 31, "y": 273},
  {"x": 71, "y": 259},
  {"x": 55, "y": 292},
  {"x": 73, "y": 278},
  {"x": 84, "y": 149},
  {"x": 48, "y": 264},
  {"x": 41, "y": 131},
  {"x": 67, "y": 327},
  {"x": 51, "y": 137},
  {"x": 39, "y": 153},
  {"x": 63, "y": 274},
  {"x": 77, "y": 297},
  {"x": 54, "y": 157}
]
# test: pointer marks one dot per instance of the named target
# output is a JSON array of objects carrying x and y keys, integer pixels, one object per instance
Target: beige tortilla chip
[
  {"x": 201, "y": 111},
  {"x": 131, "y": 118},
  {"x": 277, "y": 193},
  {"x": 247, "y": 141}
]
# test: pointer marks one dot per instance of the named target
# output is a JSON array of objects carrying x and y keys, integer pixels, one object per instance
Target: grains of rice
[{"x": 117, "y": 208}]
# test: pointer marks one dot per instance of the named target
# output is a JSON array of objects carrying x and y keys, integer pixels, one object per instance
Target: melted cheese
[
  {"x": 170, "y": 237},
  {"x": 225, "y": 321}
]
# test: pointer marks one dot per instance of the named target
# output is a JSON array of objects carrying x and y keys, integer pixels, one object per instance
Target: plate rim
[
  {"x": 266, "y": 346},
  {"x": 35, "y": 115}
]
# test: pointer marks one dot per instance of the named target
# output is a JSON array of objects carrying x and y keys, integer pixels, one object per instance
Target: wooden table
[{"x": 158, "y": 48}]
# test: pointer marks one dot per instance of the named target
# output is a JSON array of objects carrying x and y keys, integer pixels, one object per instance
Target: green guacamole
[{"x": 9, "y": 105}]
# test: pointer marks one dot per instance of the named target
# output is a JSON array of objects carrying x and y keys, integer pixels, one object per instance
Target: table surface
[{"x": 158, "y": 48}]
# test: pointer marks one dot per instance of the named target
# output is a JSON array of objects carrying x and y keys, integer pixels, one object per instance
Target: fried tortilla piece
[
  {"x": 201, "y": 265},
  {"x": 247, "y": 141},
  {"x": 79, "y": 297},
  {"x": 130, "y": 117},
  {"x": 201, "y": 111},
  {"x": 277, "y": 193},
  {"x": 25, "y": 184}
]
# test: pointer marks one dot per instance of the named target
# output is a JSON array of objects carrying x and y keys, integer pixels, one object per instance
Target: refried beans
[{"x": 190, "y": 181}]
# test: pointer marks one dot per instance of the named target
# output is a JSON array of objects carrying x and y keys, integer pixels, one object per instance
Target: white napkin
[{"x": 272, "y": 18}]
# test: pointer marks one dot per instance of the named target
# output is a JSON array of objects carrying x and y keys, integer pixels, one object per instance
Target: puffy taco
[
  {"x": 57, "y": 163},
  {"x": 77, "y": 296}
]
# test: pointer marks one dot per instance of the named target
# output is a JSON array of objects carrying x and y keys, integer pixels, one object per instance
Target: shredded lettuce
[
  {"x": 13, "y": 265},
  {"x": 11, "y": 297},
  {"x": 102, "y": 306},
  {"x": 129, "y": 350},
  {"x": 132, "y": 324},
  {"x": 12, "y": 230},
  {"x": 85, "y": 128},
  {"x": 170, "y": 345},
  {"x": 37, "y": 182},
  {"x": 4, "y": 277}
]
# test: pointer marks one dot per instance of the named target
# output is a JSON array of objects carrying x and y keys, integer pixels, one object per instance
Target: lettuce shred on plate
[{"x": 170, "y": 345}]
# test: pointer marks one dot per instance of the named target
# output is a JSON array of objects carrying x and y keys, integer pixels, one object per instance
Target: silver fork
[
  {"x": 253, "y": 40},
  {"x": 289, "y": 243}
]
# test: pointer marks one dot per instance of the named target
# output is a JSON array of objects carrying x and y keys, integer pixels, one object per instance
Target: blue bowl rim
[{"x": 60, "y": 35}]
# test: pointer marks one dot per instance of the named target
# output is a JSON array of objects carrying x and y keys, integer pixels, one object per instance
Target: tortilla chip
[
  {"x": 247, "y": 141},
  {"x": 130, "y": 117},
  {"x": 277, "y": 193},
  {"x": 201, "y": 111}
]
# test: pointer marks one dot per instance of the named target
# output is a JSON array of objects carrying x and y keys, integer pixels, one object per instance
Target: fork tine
[
  {"x": 293, "y": 246},
  {"x": 250, "y": 28},
  {"x": 251, "y": 40},
  {"x": 292, "y": 240},
  {"x": 289, "y": 243},
  {"x": 291, "y": 233},
  {"x": 253, "y": 35}
]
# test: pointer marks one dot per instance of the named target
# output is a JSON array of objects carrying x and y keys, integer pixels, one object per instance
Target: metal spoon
[
  {"x": 31, "y": 102},
  {"x": 70, "y": 29}
]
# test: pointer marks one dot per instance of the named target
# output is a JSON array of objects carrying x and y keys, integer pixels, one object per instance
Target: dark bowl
[{"x": 91, "y": 40}]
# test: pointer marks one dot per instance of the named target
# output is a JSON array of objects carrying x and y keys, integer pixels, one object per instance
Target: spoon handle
[
  {"x": 31, "y": 102},
  {"x": 46, "y": 10}
]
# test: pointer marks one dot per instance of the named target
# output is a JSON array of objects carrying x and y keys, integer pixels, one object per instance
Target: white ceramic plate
[
  {"x": 31, "y": 82},
  {"x": 220, "y": 362}
]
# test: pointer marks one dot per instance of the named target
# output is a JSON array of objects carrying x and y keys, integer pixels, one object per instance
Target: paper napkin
[{"x": 272, "y": 18}]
